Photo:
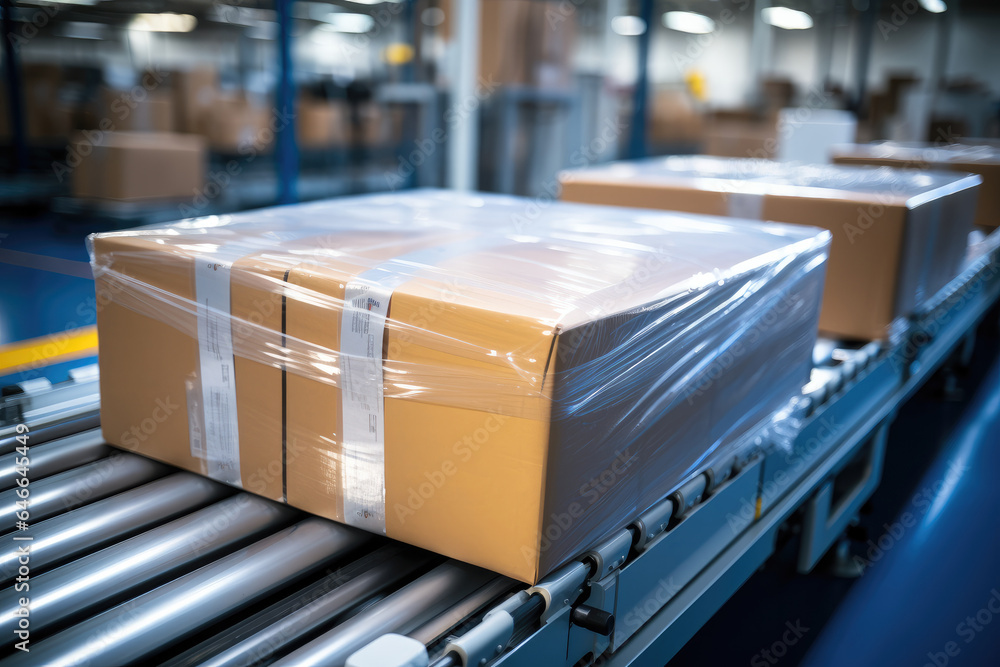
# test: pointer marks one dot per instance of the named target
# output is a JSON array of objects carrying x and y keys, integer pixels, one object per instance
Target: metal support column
[
  {"x": 866, "y": 29},
  {"x": 287, "y": 149},
  {"x": 946, "y": 22},
  {"x": 826, "y": 28},
  {"x": 637, "y": 137},
  {"x": 14, "y": 89},
  {"x": 761, "y": 40},
  {"x": 463, "y": 144}
]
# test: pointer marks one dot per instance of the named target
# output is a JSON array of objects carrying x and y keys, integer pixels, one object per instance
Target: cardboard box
[
  {"x": 503, "y": 24},
  {"x": 979, "y": 159},
  {"x": 526, "y": 42},
  {"x": 675, "y": 119},
  {"x": 741, "y": 139},
  {"x": 321, "y": 124},
  {"x": 194, "y": 93},
  {"x": 898, "y": 237},
  {"x": 137, "y": 110},
  {"x": 531, "y": 396},
  {"x": 48, "y": 113},
  {"x": 238, "y": 126},
  {"x": 131, "y": 166}
]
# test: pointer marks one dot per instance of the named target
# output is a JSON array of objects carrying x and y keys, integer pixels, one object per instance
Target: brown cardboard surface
[
  {"x": 321, "y": 124},
  {"x": 130, "y": 166},
  {"x": 48, "y": 115},
  {"x": 503, "y": 24},
  {"x": 675, "y": 119},
  {"x": 740, "y": 139},
  {"x": 140, "y": 110},
  {"x": 862, "y": 277},
  {"x": 237, "y": 125},
  {"x": 194, "y": 92},
  {"x": 524, "y": 42},
  {"x": 147, "y": 366},
  {"x": 885, "y": 256}
]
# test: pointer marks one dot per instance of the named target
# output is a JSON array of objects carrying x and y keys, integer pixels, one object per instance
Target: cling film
[{"x": 426, "y": 366}]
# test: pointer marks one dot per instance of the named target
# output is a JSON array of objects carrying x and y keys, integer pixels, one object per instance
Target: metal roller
[
  {"x": 136, "y": 631},
  {"x": 90, "y": 528},
  {"x": 47, "y": 432},
  {"x": 401, "y": 612},
  {"x": 80, "y": 486},
  {"x": 302, "y": 616},
  {"x": 54, "y": 457},
  {"x": 99, "y": 579},
  {"x": 442, "y": 623}
]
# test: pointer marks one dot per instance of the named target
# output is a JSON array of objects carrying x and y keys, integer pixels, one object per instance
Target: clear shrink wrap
[
  {"x": 500, "y": 380},
  {"x": 980, "y": 157},
  {"x": 898, "y": 236}
]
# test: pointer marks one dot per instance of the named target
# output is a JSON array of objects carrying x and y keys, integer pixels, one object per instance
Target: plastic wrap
[
  {"x": 982, "y": 159},
  {"x": 500, "y": 380},
  {"x": 922, "y": 153},
  {"x": 898, "y": 236}
]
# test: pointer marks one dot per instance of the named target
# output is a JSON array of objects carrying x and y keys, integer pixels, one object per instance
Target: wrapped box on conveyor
[
  {"x": 975, "y": 159},
  {"x": 898, "y": 236},
  {"x": 495, "y": 380}
]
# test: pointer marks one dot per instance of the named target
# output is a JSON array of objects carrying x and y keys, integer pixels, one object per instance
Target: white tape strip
[
  {"x": 748, "y": 205},
  {"x": 362, "y": 332},
  {"x": 218, "y": 440}
]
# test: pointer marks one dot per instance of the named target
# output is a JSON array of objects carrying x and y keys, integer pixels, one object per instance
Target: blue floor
[
  {"x": 931, "y": 536},
  {"x": 932, "y": 593},
  {"x": 46, "y": 285}
]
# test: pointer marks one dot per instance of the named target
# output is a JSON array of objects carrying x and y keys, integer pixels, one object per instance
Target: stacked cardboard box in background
[
  {"x": 675, "y": 119},
  {"x": 321, "y": 123},
  {"x": 740, "y": 133},
  {"x": 526, "y": 42},
  {"x": 195, "y": 92},
  {"x": 48, "y": 113},
  {"x": 137, "y": 110},
  {"x": 138, "y": 166},
  {"x": 975, "y": 159},
  {"x": 236, "y": 124},
  {"x": 898, "y": 236}
]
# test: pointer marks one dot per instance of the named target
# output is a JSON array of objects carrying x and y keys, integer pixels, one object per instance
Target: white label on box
[
  {"x": 219, "y": 440},
  {"x": 362, "y": 331},
  {"x": 747, "y": 205}
]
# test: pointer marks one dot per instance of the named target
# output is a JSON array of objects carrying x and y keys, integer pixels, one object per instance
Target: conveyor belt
[
  {"x": 130, "y": 561},
  {"x": 133, "y": 562}
]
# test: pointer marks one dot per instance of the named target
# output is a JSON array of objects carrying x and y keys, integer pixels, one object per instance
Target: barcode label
[
  {"x": 218, "y": 440},
  {"x": 362, "y": 331}
]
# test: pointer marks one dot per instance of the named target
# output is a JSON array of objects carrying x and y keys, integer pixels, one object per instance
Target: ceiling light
[
  {"x": 696, "y": 24},
  {"x": 785, "y": 18},
  {"x": 629, "y": 26},
  {"x": 166, "y": 22},
  {"x": 352, "y": 23},
  {"x": 934, "y": 6}
]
